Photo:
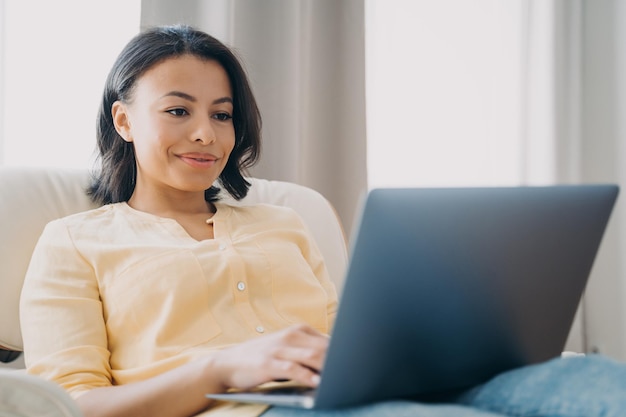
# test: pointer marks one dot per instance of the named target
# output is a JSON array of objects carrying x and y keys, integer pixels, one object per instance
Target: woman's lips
[{"x": 198, "y": 160}]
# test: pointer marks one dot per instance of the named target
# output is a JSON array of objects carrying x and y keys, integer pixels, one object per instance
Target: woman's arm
[
  {"x": 296, "y": 353},
  {"x": 61, "y": 315}
]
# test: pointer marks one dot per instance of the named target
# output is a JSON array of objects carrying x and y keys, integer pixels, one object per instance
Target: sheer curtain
[
  {"x": 305, "y": 59},
  {"x": 472, "y": 93},
  {"x": 580, "y": 108},
  {"x": 602, "y": 157}
]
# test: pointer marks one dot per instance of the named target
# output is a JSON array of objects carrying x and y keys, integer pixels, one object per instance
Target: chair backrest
[{"x": 30, "y": 198}]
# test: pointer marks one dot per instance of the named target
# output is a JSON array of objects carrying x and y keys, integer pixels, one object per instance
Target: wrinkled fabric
[{"x": 585, "y": 386}]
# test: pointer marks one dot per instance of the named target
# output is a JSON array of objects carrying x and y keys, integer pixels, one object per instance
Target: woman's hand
[{"x": 296, "y": 353}]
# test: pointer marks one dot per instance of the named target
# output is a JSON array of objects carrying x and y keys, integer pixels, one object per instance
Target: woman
[{"x": 164, "y": 294}]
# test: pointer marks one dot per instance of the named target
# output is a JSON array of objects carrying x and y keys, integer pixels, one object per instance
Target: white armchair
[
  {"x": 23, "y": 395},
  {"x": 30, "y": 198}
]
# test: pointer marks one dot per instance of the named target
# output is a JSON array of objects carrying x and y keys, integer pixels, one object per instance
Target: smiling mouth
[{"x": 198, "y": 162}]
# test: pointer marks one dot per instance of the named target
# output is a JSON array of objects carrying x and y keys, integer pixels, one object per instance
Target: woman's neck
[{"x": 171, "y": 205}]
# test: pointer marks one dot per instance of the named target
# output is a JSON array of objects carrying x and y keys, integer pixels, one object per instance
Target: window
[
  {"x": 56, "y": 55},
  {"x": 445, "y": 99}
]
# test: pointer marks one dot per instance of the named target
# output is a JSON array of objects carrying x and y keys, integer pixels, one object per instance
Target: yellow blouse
[{"x": 115, "y": 295}]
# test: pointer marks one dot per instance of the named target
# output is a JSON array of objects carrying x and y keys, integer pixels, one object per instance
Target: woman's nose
[{"x": 204, "y": 132}]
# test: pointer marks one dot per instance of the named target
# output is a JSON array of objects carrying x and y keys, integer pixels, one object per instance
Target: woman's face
[{"x": 179, "y": 120}]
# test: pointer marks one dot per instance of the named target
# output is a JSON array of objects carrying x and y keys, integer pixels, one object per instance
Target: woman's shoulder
[
  {"x": 85, "y": 226},
  {"x": 103, "y": 212},
  {"x": 93, "y": 220}
]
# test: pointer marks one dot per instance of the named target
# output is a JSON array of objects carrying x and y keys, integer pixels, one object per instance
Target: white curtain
[
  {"x": 305, "y": 59},
  {"x": 599, "y": 156},
  {"x": 585, "y": 100}
]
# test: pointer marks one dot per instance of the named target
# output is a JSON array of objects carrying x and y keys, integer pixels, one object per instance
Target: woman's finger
[
  {"x": 294, "y": 371},
  {"x": 296, "y": 353},
  {"x": 308, "y": 357}
]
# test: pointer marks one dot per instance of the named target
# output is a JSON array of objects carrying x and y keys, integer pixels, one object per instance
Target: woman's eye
[
  {"x": 177, "y": 112},
  {"x": 222, "y": 116}
]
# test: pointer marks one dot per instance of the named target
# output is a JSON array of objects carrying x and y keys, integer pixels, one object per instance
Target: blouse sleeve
[
  {"x": 61, "y": 315},
  {"x": 316, "y": 261}
]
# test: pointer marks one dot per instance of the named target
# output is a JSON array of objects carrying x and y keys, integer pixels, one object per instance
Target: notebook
[{"x": 447, "y": 287}]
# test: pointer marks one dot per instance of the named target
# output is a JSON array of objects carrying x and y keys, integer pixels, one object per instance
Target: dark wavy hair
[{"x": 114, "y": 180}]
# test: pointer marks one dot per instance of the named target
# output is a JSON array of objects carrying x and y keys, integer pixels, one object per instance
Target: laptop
[{"x": 448, "y": 287}]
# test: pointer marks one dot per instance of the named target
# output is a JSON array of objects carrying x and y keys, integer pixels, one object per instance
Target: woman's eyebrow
[
  {"x": 180, "y": 94},
  {"x": 191, "y": 98},
  {"x": 223, "y": 100}
]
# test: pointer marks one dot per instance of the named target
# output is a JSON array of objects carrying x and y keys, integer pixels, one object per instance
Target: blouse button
[
  {"x": 222, "y": 246},
  {"x": 260, "y": 329},
  {"x": 241, "y": 286}
]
